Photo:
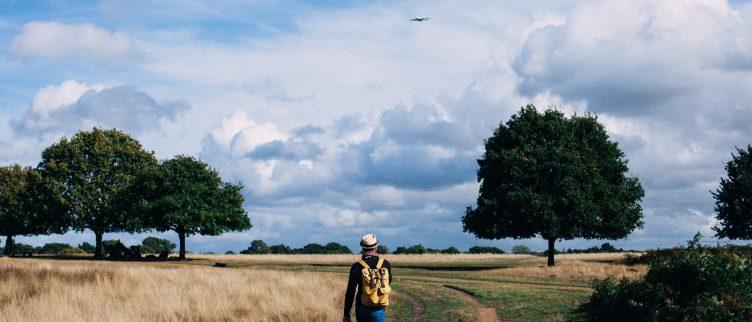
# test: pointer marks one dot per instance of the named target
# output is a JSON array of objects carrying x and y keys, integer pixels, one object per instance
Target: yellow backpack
[{"x": 375, "y": 285}]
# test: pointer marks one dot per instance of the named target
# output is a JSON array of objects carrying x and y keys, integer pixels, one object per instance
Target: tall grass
[{"x": 35, "y": 290}]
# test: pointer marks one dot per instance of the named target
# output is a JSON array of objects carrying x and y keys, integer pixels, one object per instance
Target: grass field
[{"x": 299, "y": 288}]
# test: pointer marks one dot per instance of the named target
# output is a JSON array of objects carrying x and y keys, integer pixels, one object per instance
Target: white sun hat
[{"x": 369, "y": 242}]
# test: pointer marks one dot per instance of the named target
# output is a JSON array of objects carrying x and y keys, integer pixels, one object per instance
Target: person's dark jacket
[{"x": 355, "y": 281}]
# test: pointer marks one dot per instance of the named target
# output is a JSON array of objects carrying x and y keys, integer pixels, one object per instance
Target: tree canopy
[
  {"x": 543, "y": 174},
  {"x": 93, "y": 172},
  {"x": 156, "y": 245},
  {"x": 185, "y": 195},
  {"x": 733, "y": 199},
  {"x": 28, "y": 205}
]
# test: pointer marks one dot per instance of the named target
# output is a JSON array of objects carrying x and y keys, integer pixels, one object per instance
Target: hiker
[{"x": 372, "y": 277}]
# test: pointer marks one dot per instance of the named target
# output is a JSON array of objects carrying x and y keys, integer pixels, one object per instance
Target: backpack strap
[
  {"x": 364, "y": 264},
  {"x": 381, "y": 261}
]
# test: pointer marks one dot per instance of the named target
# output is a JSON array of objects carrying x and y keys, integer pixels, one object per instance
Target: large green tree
[
  {"x": 185, "y": 195},
  {"x": 547, "y": 175},
  {"x": 733, "y": 199},
  {"x": 28, "y": 205},
  {"x": 94, "y": 171}
]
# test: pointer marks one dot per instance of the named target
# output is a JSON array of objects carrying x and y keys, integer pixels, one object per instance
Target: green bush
[
  {"x": 72, "y": 251},
  {"x": 485, "y": 250},
  {"x": 695, "y": 284},
  {"x": 55, "y": 248},
  {"x": 85, "y": 246},
  {"x": 154, "y": 245},
  {"x": 520, "y": 249}
]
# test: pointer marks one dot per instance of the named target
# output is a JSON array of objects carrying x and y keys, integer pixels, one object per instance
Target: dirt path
[
  {"x": 419, "y": 309},
  {"x": 485, "y": 314}
]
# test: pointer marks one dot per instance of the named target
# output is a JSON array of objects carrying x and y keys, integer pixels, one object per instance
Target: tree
[
  {"x": 93, "y": 172},
  {"x": 257, "y": 247},
  {"x": 450, "y": 250},
  {"x": 28, "y": 205},
  {"x": 55, "y": 248},
  {"x": 280, "y": 249},
  {"x": 733, "y": 199},
  {"x": 547, "y": 175},
  {"x": 185, "y": 195},
  {"x": 337, "y": 248},
  {"x": 88, "y": 248},
  {"x": 485, "y": 250},
  {"x": 520, "y": 249},
  {"x": 156, "y": 245},
  {"x": 382, "y": 249}
]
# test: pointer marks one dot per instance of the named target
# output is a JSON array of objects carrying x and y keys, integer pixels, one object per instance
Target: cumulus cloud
[
  {"x": 53, "y": 40},
  {"x": 72, "y": 106}
]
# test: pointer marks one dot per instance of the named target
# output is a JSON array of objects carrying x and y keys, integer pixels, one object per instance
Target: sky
[{"x": 345, "y": 118}]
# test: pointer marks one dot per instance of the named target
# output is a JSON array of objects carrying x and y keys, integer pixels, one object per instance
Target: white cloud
[
  {"x": 53, "y": 40},
  {"x": 53, "y": 97}
]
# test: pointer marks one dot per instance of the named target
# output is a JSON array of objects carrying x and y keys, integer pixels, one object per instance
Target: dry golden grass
[
  {"x": 570, "y": 271},
  {"x": 38, "y": 290}
]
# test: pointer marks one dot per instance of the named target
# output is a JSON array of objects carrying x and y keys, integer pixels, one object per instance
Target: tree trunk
[
  {"x": 551, "y": 251},
  {"x": 9, "y": 245},
  {"x": 182, "y": 245},
  {"x": 98, "y": 242}
]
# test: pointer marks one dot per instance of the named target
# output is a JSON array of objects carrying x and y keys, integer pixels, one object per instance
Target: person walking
[{"x": 371, "y": 276}]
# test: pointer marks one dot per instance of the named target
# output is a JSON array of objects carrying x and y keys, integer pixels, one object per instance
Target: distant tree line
[
  {"x": 150, "y": 245},
  {"x": 105, "y": 182},
  {"x": 260, "y": 247}
]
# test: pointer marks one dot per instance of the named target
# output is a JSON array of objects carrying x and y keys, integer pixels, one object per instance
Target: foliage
[
  {"x": 185, "y": 195},
  {"x": 336, "y": 248},
  {"x": 93, "y": 172},
  {"x": 450, "y": 250},
  {"x": 257, "y": 247},
  {"x": 280, "y": 249},
  {"x": 547, "y": 175},
  {"x": 695, "y": 284},
  {"x": 415, "y": 249},
  {"x": 88, "y": 248},
  {"x": 20, "y": 249},
  {"x": 229, "y": 252},
  {"x": 28, "y": 205},
  {"x": 109, "y": 245},
  {"x": 485, "y": 250},
  {"x": 154, "y": 245},
  {"x": 382, "y": 249},
  {"x": 56, "y": 248},
  {"x": 733, "y": 199},
  {"x": 520, "y": 249}
]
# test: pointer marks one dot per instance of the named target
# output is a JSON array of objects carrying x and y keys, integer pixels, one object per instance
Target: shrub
[
  {"x": 257, "y": 247},
  {"x": 280, "y": 249},
  {"x": 382, "y": 249},
  {"x": 336, "y": 248},
  {"x": 520, "y": 249},
  {"x": 85, "y": 246},
  {"x": 55, "y": 248},
  {"x": 415, "y": 249},
  {"x": 695, "y": 284},
  {"x": 229, "y": 252},
  {"x": 154, "y": 245},
  {"x": 450, "y": 250},
  {"x": 485, "y": 250},
  {"x": 72, "y": 251}
]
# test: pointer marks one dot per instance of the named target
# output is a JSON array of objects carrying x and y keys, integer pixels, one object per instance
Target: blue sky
[{"x": 346, "y": 118}]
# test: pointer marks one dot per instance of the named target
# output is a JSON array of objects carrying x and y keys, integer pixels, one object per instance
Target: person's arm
[{"x": 352, "y": 284}]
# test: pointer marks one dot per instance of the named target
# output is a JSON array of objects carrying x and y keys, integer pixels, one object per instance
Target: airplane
[{"x": 419, "y": 19}]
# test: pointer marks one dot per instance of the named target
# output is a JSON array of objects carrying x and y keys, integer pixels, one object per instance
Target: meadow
[{"x": 299, "y": 287}]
